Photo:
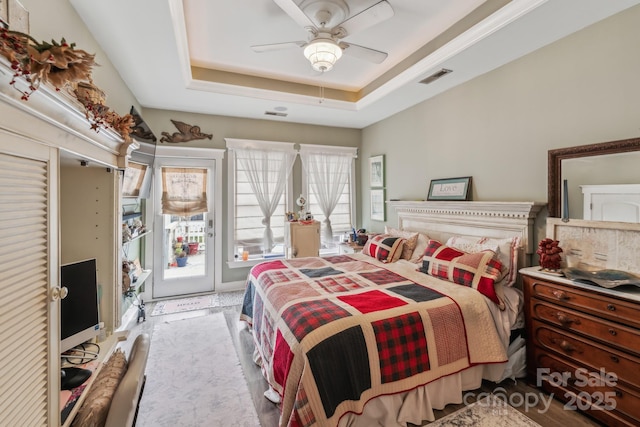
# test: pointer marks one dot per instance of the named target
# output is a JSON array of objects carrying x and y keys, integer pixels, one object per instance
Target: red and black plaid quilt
[{"x": 335, "y": 332}]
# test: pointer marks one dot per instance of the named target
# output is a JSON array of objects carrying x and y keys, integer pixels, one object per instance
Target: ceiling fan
[{"x": 328, "y": 22}]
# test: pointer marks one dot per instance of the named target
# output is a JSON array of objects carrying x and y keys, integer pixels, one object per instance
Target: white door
[{"x": 184, "y": 245}]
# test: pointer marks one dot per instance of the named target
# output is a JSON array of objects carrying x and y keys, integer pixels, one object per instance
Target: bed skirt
[{"x": 416, "y": 406}]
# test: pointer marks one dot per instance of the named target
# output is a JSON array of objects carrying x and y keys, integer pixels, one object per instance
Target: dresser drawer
[
  {"x": 596, "y": 399},
  {"x": 610, "y": 333},
  {"x": 603, "y": 306},
  {"x": 587, "y": 352}
]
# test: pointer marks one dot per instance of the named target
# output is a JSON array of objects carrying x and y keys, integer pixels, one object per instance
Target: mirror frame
[{"x": 554, "y": 178}]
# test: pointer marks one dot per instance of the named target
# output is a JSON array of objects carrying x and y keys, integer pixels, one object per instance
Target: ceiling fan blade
[
  {"x": 292, "y": 9},
  {"x": 374, "y": 15},
  {"x": 277, "y": 46},
  {"x": 364, "y": 53}
]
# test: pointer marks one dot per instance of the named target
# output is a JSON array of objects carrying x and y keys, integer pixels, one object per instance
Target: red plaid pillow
[
  {"x": 480, "y": 270},
  {"x": 384, "y": 247}
]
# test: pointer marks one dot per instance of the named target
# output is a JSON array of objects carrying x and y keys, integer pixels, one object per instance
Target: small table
[{"x": 349, "y": 248}]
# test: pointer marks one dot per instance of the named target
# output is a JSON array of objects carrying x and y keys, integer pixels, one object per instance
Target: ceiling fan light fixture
[{"x": 323, "y": 54}]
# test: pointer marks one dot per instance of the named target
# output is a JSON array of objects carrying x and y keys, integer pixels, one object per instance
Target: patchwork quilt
[{"x": 334, "y": 332}]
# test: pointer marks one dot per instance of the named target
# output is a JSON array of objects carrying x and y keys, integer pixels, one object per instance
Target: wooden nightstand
[
  {"x": 583, "y": 345},
  {"x": 302, "y": 239}
]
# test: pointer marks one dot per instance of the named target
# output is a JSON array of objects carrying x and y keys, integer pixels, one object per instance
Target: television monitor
[{"x": 79, "y": 312}]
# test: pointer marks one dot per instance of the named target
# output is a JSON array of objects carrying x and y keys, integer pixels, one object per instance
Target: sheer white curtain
[
  {"x": 329, "y": 170},
  {"x": 267, "y": 172}
]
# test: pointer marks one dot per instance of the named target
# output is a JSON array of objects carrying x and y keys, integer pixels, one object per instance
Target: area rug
[
  {"x": 222, "y": 299},
  {"x": 194, "y": 377},
  {"x": 488, "y": 412}
]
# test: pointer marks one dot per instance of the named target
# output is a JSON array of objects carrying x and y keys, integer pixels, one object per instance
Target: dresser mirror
[{"x": 614, "y": 162}]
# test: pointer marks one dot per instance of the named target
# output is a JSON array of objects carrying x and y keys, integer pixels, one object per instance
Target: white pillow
[
  {"x": 507, "y": 251},
  {"x": 421, "y": 246}
]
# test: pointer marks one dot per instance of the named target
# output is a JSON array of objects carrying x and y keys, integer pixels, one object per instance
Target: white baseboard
[
  {"x": 129, "y": 317},
  {"x": 231, "y": 286}
]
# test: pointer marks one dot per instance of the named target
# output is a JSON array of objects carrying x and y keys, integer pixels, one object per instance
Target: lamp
[{"x": 322, "y": 53}]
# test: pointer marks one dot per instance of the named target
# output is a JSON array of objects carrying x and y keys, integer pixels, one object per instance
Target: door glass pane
[{"x": 184, "y": 246}]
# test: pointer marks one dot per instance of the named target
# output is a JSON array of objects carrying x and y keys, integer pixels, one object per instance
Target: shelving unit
[
  {"x": 131, "y": 215},
  {"x": 134, "y": 249},
  {"x": 140, "y": 281},
  {"x": 138, "y": 236}
]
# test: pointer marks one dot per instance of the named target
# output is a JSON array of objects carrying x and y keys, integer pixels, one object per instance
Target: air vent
[
  {"x": 435, "y": 76},
  {"x": 275, "y": 113}
]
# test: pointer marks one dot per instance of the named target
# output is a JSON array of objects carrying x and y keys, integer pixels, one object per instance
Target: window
[
  {"x": 259, "y": 196},
  {"x": 328, "y": 180}
]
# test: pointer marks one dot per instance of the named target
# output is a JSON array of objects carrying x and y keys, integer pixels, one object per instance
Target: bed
[{"x": 385, "y": 336}]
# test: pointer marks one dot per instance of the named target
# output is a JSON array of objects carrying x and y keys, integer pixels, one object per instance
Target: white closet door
[{"x": 29, "y": 363}]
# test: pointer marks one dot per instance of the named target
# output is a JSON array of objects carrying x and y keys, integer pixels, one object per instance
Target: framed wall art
[
  {"x": 376, "y": 171},
  {"x": 450, "y": 189},
  {"x": 377, "y": 204}
]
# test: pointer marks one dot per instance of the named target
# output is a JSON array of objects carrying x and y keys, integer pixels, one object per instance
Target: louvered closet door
[{"x": 28, "y": 396}]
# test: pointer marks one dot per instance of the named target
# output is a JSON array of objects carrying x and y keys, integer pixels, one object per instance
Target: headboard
[{"x": 441, "y": 220}]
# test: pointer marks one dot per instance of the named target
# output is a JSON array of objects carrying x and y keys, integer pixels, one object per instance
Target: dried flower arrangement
[
  {"x": 98, "y": 114},
  {"x": 41, "y": 62},
  {"x": 60, "y": 64}
]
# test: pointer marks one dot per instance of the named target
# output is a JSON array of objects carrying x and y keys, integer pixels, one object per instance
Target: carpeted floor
[
  {"x": 221, "y": 299},
  {"x": 194, "y": 377}
]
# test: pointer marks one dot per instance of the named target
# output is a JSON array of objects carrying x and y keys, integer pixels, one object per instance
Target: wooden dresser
[{"x": 583, "y": 345}]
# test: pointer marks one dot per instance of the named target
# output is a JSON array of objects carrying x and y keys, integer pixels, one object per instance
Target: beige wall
[
  {"x": 55, "y": 19},
  {"x": 498, "y": 127}
]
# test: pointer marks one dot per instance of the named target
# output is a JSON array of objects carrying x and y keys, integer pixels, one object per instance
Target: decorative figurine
[
  {"x": 301, "y": 202},
  {"x": 549, "y": 253},
  {"x": 187, "y": 133}
]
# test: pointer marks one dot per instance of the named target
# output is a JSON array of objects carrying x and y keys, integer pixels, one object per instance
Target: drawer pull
[
  {"x": 615, "y": 359},
  {"x": 566, "y": 346},
  {"x": 613, "y": 332},
  {"x": 561, "y": 295},
  {"x": 611, "y": 307},
  {"x": 566, "y": 320}
]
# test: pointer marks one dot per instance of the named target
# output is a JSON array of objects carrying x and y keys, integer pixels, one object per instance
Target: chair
[{"x": 124, "y": 405}]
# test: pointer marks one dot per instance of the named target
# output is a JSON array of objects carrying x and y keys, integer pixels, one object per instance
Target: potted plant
[{"x": 181, "y": 259}]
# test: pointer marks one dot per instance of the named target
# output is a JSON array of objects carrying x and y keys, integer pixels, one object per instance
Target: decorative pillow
[
  {"x": 95, "y": 408},
  {"x": 384, "y": 247},
  {"x": 421, "y": 246},
  {"x": 507, "y": 252},
  {"x": 480, "y": 271},
  {"x": 411, "y": 240}
]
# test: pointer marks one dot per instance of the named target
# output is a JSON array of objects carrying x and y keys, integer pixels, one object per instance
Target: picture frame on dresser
[{"x": 377, "y": 204}]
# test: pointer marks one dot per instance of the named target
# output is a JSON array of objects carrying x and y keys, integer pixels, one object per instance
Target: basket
[{"x": 88, "y": 93}]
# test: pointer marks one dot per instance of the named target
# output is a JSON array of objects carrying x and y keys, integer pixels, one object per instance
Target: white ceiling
[{"x": 196, "y": 56}]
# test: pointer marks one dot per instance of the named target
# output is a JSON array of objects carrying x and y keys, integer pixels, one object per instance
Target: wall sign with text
[{"x": 450, "y": 189}]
